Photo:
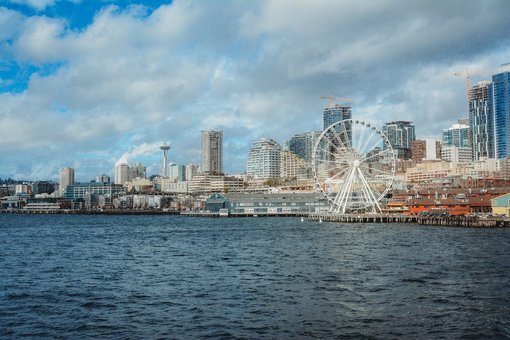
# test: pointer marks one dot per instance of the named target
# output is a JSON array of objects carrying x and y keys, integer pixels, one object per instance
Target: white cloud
[{"x": 253, "y": 69}]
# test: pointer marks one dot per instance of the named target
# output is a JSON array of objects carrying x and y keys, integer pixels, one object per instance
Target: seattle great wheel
[{"x": 354, "y": 166}]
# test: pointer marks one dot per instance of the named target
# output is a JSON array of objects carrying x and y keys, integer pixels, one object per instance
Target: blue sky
[{"x": 88, "y": 83}]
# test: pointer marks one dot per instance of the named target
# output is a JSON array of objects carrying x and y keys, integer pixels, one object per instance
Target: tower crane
[
  {"x": 467, "y": 74},
  {"x": 333, "y": 98}
]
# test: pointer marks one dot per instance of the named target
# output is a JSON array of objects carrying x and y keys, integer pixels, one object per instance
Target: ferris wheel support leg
[
  {"x": 344, "y": 193},
  {"x": 372, "y": 198}
]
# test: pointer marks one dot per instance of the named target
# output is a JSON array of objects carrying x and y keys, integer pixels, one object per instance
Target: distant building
[
  {"x": 302, "y": 145},
  {"x": 104, "y": 178},
  {"x": 137, "y": 170},
  {"x": 89, "y": 193},
  {"x": 426, "y": 149},
  {"x": 400, "y": 135},
  {"x": 331, "y": 115},
  {"x": 190, "y": 171},
  {"x": 177, "y": 172},
  {"x": 212, "y": 152},
  {"x": 66, "y": 178},
  {"x": 43, "y": 187},
  {"x": 122, "y": 173},
  {"x": 292, "y": 166},
  {"x": 457, "y": 135},
  {"x": 499, "y": 94},
  {"x": 264, "y": 159},
  {"x": 480, "y": 121},
  {"x": 456, "y": 154}
]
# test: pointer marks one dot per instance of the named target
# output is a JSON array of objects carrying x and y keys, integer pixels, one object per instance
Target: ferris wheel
[{"x": 354, "y": 166}]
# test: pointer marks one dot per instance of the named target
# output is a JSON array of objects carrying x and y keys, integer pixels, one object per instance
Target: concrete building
[
  {"x": 427, "y": 171},
  {"x": 212, "y": 152},
  {"x": 66, "y": 178},
  {"x": 89, "y": 193},
  {"x": 177, "y": 172},
  {"x": 168, "y": 185},
  {"x": 190, "y": 171},
  {"x": 400, "y": 135},
  {"x": 292, "y": 166},
  {"x": 122, "y": 173},
  {"x": 264, "y": 159},
  {"x": 456, "y": 154},
  {"x": 481, "y": 121},
  {"x": 426, "y": 149},
  {"x": 137, "y": 170},
  {"x": 104, "y": 178}
]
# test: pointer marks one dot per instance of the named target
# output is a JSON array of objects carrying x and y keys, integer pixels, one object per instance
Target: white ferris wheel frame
[{"x": 352, "y": 183}]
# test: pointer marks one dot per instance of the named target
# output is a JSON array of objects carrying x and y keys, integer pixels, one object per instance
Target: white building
[
  {"x": 456, "y": 154},
  {"x": 264, "y": 159},
  {"x": 191, "y": 171},
  {"x": 66, "y": 178},
  {"x": 121, "y": 173}
]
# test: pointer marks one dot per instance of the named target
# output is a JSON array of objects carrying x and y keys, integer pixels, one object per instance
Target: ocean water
[{"x": 184, "y": 277}]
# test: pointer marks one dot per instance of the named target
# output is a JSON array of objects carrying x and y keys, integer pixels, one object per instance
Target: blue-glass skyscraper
[
  {"x": 499, "y": 95},
  {"x": 335, "y": 114}
]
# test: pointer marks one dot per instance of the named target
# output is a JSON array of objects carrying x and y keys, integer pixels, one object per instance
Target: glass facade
[
  {"x": 499, "y": 94},
  {"x": 401, "y": 135},
  {"x": 481, "y": 121}
]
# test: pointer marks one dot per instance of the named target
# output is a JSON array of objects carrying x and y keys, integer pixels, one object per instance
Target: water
[{"x": 183, "y": 277}]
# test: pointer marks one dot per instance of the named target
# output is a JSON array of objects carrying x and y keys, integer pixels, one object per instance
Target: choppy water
[{"x": 182, "y": 277}]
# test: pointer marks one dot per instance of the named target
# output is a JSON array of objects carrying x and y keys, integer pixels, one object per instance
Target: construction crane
[
  {"x": 333, "y": 98},
  {"x": 467, "y": 74}
]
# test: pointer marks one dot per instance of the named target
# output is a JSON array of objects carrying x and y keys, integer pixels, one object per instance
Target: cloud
[
  {"x": 255, "y": 70},
  {"x": 36, "y": 4}
]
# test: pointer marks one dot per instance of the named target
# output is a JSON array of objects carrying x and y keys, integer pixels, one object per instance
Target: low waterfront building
[
  {"x": 501, "y": 205},
  {"x": 12, "y": 202},
  {"x": 267, "y": 203},
  {"x": 42, "y": 207},
  {"x": 168, "y": 185},
  {"x": 90, "y": 192}
]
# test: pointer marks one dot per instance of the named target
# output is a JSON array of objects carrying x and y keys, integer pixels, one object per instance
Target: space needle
[{"x": 165, "y": 147}]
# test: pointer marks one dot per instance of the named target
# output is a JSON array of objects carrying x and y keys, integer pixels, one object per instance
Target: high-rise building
[
  {"x": 104, "y": 178},
  {"x": 481, "y": 121},
  {"x": 457, "y": 135},
  {"x": 426, "y": 150},
  {"x": 400, "y": 135},
  {"x": 212, "y": 152},
  {"x": 137, "y": 170},
  {"x": 191, "y": 171},
  {"x": 66, "y": 178},
  {"x": 264, "y": 159},
  {"x": 121, "y": 173},
  {"x": 177, "y": 172},
  {"x": 499, "y": 95},
  {"x": 302, "y": 145},
  {"x": 331, "y": 115}
]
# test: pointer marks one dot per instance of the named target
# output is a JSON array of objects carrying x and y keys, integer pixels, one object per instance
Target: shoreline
[{"x": 444, "y": 221}]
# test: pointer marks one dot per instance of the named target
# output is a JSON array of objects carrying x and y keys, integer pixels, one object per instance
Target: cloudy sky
[{"x": 86, "y": 83}]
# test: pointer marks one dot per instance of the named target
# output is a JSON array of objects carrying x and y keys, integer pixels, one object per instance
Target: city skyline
[{"x": 86, "y": 84}]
